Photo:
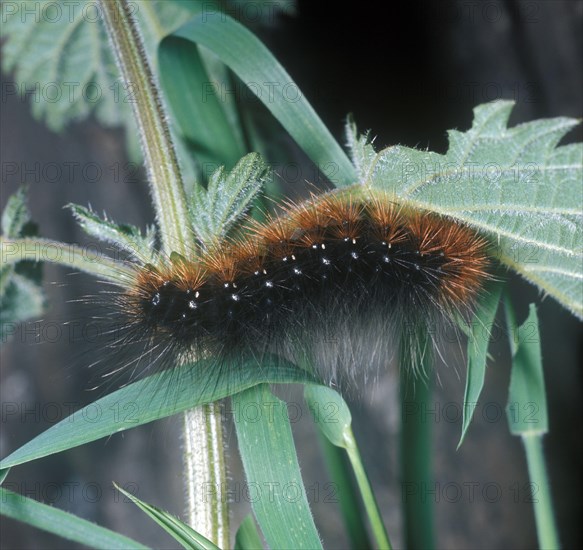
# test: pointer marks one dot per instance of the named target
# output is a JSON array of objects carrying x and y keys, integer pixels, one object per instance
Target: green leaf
[
  {"x": 330, "y": 414},
  {"x": 227, "y": 198},
  {"x": 342, "y": 476},
  {"x": 21, "y": 300},
  {"x": 64, "y": 524},
  {"x": 3, "y": 475},
  {"x": 254, "y": 64},
  {"x": 180, "y": 531},
  {"x": 514, "y": 185},
  {"x": 203, "y": 122},
  {"x": 269, "y": 457},
  {"x": 527, "y": 402},
  {"x": 126, "y": 237},
  {"x": 478, "y": 341},
  {"x": 60, "y": 54},
  {"x": 15, "y": 215},
  {"x": 247, "y": 536},
  {"x": 21, "y": 293},
  {"x": 362, "y": 152},
  {"x": 158, "y": 396}
]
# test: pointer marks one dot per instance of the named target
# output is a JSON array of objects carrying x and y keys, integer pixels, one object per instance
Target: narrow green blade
[
  {"x": 254, "y": 64},
  {"x": 271, "y": 466},
  {"x": 527, "y": 401},
  {"x": 195, "y": 105},
  {"x": 478, "y": 341},
  {"x": 247, "y": 536},
  {"x": 64, "y": 524},
  {"x": 178, "y": 530},
  {"x": 158, "y": 396}
]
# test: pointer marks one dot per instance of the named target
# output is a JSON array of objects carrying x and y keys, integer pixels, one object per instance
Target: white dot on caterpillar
[
  {"x": 326, "y": 261},
  {"x": 235, "y": 297},
  {"x": 354, "y": 255},
  {"x": 269, "y": 284},
  {"x": 192, "y": 304}
]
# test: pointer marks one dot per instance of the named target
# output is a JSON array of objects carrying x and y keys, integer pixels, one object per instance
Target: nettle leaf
[
  {"x": 227, "y": 197},
  {"x": 62, "y": 59},
  {"x": 362, "y": 153},
  {"x": 15, "y": 215},
  {"x": 21, "y": 293},
  {"x": 512, "y": 184},
  {"x": 126, "y": 237}
]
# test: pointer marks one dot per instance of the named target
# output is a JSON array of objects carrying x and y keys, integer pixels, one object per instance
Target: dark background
[{"x": 408, "y": 71}]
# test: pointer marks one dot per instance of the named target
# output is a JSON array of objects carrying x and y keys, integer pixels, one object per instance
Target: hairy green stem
[
  {"x": 159, "y": 153},
  {"x": 204, "y": 457},
  {"x": 205, "y": 469},
  {"x": 86, "y": 258}
]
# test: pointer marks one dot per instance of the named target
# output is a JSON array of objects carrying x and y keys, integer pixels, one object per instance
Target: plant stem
[
  {"x": 370, "y": 503},
  {"x": 546, "y": 527},
  {"x": 204, "y": 460},
  {"x": 159, "y": 154},
  {"x": 339, "y": 469},
  {"x": 205, "y": 467},
  {"x": 83, "y": 258},
  {"x": 416, "y": 454}
]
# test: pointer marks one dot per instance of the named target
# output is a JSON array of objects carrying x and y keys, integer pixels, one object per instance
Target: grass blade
[
  {"x": 254, "y": 64},
  {"x": 478, "y": 341},
  {"x": 195, "y": 105},
  {"x": 271, "y": 465},
  {"x": 158, "y": 396},
  {"x": 64, "y": 524},
  {"x": 341, "y": 473},
  {"x": 178, "y": 530},
  {"x": 247, "y": 536}
]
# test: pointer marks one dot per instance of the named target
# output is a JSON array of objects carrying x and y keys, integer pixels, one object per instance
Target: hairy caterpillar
[{"x": 335, "y": 281}]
